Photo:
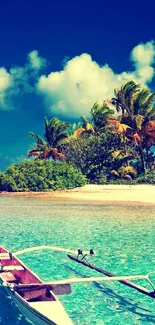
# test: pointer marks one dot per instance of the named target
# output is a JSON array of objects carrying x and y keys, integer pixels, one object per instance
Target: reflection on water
[{"x": 122, "y": 236}]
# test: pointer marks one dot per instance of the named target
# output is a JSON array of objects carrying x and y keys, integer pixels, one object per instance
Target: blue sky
[{"x": 57, "y": 58}]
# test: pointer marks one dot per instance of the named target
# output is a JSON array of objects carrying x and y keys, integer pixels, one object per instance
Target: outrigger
[{"x": 38, "y": 300}]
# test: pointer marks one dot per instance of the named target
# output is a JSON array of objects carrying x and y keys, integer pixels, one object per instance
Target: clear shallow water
[{"x": 122, "y": 236}]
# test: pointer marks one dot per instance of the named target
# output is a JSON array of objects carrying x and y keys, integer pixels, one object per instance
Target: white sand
[
  {"x": 124, "y": 193},
  {"x": 99, "y": 193}
]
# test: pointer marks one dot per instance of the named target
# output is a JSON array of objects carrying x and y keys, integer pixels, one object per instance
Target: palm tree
[
  {"x": 142, "y": 122},
  {"x": 124, "y": 97},
  {"x": 55, "y": 134},
  {"x": 117, "y": 127},
  {"x": 138, "y": 112},
  {"x": 86, "y": 125},
  {"x": 121, "y": 161},
  {"x": 126, "y": 172},
  {"x": 101, "y": 113},
  {"x": 83, "y": 127}
]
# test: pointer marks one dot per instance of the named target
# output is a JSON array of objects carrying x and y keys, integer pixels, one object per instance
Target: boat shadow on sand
[{"x": 123, "y": 303}]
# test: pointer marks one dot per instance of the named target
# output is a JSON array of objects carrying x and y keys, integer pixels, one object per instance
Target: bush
[
  {"x": 121, "y": 181},
  {"x": 147, "y": 178},
  {"x": 7, "y": 183},
  {"x": 41, "y": 175}
]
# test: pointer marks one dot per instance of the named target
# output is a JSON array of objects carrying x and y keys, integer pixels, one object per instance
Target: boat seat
[
  {"x": 33, "y": 294},
  {"x": 5, "y": 256},
  {"x": 4, "y": 268},
  {"x": 7, "y": 277}
]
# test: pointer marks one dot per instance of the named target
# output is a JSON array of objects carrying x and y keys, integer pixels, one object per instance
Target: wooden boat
[
  {"x": 38, "y": 303},
  {"x": 37, "y": 300}
]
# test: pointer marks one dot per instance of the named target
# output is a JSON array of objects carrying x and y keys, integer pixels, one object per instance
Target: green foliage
[
  {"x": 104, "y": 147},
  {"x": 100, "y": 113},
  {"x": 56, "y": 132},
  {"x": 121, "y": 181},
  {"x": 93, "y": 154},
  {"x": 137, "y": 109},
  {"x": 40, "y": 175},
  {"x": 147, "y": 178},
  {"x": 125, "y": 96},
  {"x": 7, "y": 183}
]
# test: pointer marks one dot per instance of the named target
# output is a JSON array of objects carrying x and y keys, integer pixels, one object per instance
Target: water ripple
[{"x": 122, "y": 236}]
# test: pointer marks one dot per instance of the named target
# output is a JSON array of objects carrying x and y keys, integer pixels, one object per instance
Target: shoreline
[{"x": 127, "y": 194}]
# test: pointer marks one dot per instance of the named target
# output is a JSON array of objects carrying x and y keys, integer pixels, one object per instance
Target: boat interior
[{"x": 15, "y": 272}]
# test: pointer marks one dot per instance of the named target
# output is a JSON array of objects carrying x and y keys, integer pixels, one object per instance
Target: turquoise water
[{"x": 122, "y": 236}]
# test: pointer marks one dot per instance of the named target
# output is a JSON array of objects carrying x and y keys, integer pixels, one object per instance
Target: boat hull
[
  {"x": 30, "y": 313},
  {"x": 40, "y": 308}
]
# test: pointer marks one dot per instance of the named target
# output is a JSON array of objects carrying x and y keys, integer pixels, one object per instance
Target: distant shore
[{"x": 97, "y": 193}]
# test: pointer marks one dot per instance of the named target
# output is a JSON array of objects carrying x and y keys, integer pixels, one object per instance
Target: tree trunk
[
  {"x": 142, "y": 158},
  {"x": 147, "y": 158}
]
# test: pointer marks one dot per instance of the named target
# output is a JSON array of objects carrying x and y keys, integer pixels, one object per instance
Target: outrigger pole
[
  {"x": 125, "y": 282},
  {"x": 67, "y": 282},
  {"x": 53, "y": 248},
  {"x": 63, "y": 286}
]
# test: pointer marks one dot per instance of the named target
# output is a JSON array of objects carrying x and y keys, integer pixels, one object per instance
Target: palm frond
[
  {"x": 55, "y": 131},
  {"x": 150, "y": 100},
  {"x": 139, "y": 119},
  {"x": 125, "y": 97},
  {"x": 127, "y": 170},
  {"x": 77, "y": 133},
  {"x": 149, "y": 129},
  {"x": 34, "y": 153},
  {"x": 128, "y": 177},
  {"x": 143, "y": 102},
  {"x": 150, "y": 115},
  {"x": 38, "y": 138},
  {"x": 114, "y": 173}
]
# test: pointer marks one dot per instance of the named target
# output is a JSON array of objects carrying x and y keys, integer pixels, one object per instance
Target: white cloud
[
  {"x": 5, "y": 79},
  {"x": 36, "y": 61},
  {"x": 5, "y": 84},
  {"x": 82, "y": 81},
  {"x": 19, "y": 80},
  {"x": 143, "y": 55},
  {"x": 73, "y": 90},
  {"x": 145, "y": 74}
]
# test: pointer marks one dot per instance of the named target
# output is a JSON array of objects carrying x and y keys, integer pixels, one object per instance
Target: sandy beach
[{"x": 98, "y": 193}]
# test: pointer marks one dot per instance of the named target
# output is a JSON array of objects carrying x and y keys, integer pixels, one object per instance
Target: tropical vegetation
[
  {"x": 47, "y": 147},
  {"x": 115, "y": 143},
  {"x": 41, "y": 175}
]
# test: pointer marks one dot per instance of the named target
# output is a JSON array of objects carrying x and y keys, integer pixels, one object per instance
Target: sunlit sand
[{"x": 99, "y": 193}]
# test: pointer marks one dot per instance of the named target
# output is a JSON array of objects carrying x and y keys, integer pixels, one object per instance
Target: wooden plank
[
  {"x": 7, "y": 277},
  {"x": 4, "y": 256},
  {"x": 125, "y": 282},
  {"x": 5, "y": 268},
  {"x": 58, "y": 289}
]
